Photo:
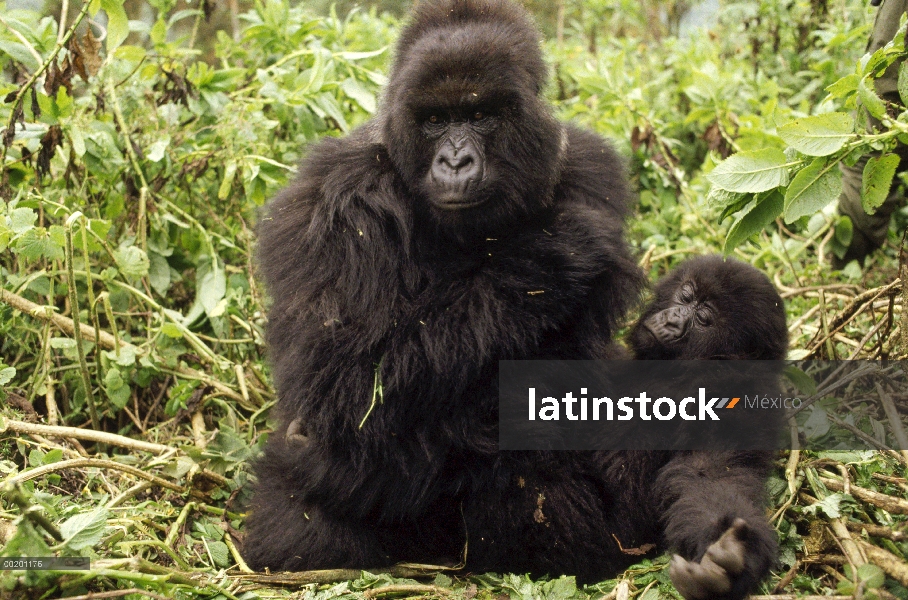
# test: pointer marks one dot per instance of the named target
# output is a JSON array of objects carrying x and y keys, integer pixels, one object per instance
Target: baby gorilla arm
[{"x": 715, "y": 523}]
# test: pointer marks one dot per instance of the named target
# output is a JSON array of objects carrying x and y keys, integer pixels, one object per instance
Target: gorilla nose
[
  {"x": 455, "y": 166},
  {"x": 674, "y": 322}
]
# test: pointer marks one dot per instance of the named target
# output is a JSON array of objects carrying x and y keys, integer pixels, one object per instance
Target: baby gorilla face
[
  {"x": 712, "y": 308},
  {"x": 689, "y": 319}
]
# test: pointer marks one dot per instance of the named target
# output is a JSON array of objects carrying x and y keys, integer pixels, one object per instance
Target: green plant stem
[
  {"x": 141, "y": 224},
  {"x": 104, "y": 298},
  {"x": 77, "y": 326}
]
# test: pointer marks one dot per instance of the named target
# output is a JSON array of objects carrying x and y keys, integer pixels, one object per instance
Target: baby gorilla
[{"x": 713, "y": 308}]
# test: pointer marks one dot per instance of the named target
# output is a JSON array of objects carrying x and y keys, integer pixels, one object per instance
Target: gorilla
[
  {"x": 715, "y": 308},
  {"x": 463, "y": 225},
  {"x": 712, "y": 308}
]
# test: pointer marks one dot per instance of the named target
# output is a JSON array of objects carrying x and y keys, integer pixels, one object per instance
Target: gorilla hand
[{"x": 717, "y": 572}]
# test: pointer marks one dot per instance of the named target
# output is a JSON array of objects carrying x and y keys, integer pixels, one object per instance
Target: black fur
[
  {"x": 745, "y": 315},
  {"x": 375, "y": 287},
  {"x": 717, "y": 308}
]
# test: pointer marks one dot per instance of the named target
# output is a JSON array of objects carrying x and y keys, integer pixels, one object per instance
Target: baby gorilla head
[{"x": 712, "y": 308}]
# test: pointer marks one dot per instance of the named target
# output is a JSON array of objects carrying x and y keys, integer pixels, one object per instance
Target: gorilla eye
[
  {"x": 479, "y": 116},
  {"x": 687, "y": 294},
  {"x": 433, "y": 119},
  {"x": 704, "y": 318}
]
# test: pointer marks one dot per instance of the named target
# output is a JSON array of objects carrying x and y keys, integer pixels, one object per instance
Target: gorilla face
[
  {"x": 712, "y": 308},
  {"x": 689, "y": 315},
  {"x": 464, "y": 124},
  {"x": 459, "y": 173}
]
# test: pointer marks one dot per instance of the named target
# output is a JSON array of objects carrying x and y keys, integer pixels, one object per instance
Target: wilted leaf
[{"x": 49, "y": 143}]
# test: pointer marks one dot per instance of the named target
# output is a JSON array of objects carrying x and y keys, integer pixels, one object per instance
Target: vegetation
[{"x": 136, "y": 153}]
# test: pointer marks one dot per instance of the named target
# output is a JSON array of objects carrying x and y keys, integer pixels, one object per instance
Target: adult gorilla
[{"x": 462, "y": 226}]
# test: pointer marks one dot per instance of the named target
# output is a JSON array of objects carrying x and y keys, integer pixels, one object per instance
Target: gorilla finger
[
  {"x": 696, "y": 581},
  {"x": 728, "y": 552}
]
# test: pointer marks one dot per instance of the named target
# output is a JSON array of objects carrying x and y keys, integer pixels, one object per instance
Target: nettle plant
[{"x": 800, "y": 176}]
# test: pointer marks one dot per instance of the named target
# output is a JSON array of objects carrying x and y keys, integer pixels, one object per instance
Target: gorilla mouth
[
  {"x": 455, "y": 202},
  {"x": 459, "y": 195}
]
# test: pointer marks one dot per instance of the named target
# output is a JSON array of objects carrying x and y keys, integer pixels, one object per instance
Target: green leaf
[
  {"x": 871, "y": 575},
  {"x": 755, "y": 216},
  {"x": 328, "y": 103},
  {"x": 903, "y": 82},
  {"x": 360, "y": 55},
  {"x": 756, "y": 171},
  {"x": 78, "y": 141},
  {"x": 158, "y": 273},
  {"x": 853, "y": 270},
  {"x": 39, "y": 241},
  {"x": 817, "y": 424},
  {"x": 156, "y": 151},
  {"x": 171, "y": 331},
  {"x": 356, "y": 90},
  {"x": 6, "y": 375},
  {"x": 801, "y": 380},
  {"x": 117, "y": 23},
  {"x": 227, "y": 182},
  {"x": 844, "y": 231},
  {"x": 219, "y": 553},
  {"x": 870, "y": 101},
  {"x": 211, "y": 283},
  {"x": 22, "y": 219},
  {"x": 844, "y": 86},
  {"x": 877, "y": 181},
  {"x": 829, "y": 505},
  {"x": 84, "y": 530},
  {"x": 131, "y": 53},
  {"x": 116, "y": 388},
  {"x": 821, "y": 135},
  {"x": 719, "y": 198},
  {"x": 132, "y": 261},
  {"x": 813, "y": 187}
]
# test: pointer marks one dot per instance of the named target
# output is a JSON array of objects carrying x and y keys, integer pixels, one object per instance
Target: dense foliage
[{"x": 135, "y": 156}]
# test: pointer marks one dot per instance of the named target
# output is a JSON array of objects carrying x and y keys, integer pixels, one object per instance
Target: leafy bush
[{"x": 132, "y": 177}]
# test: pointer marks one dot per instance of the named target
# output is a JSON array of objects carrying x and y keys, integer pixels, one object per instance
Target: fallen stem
[
  {"x": 91, "y": 462},
  {"x": 82, "y": 434}
]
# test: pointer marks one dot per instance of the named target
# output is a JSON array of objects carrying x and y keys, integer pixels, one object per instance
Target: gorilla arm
[{"x": 725, "y": 545}]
